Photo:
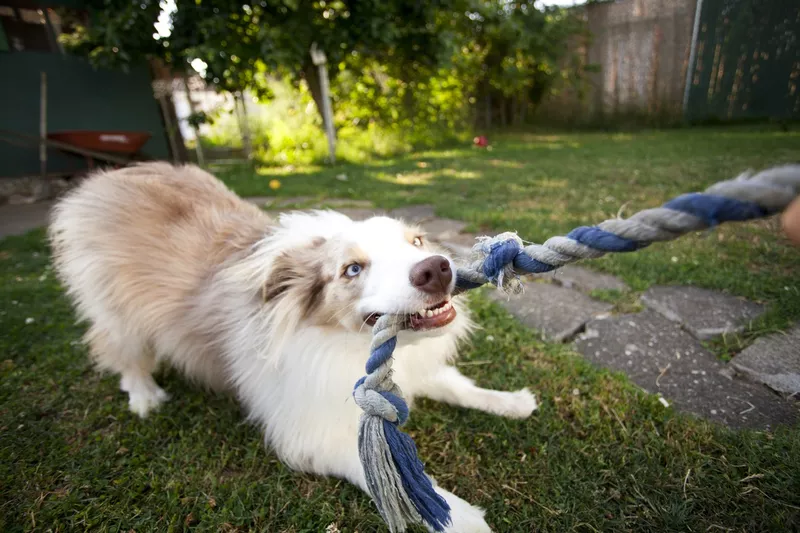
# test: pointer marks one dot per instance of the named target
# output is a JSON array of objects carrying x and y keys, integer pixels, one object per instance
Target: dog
[{"x": 168, "y": 265}]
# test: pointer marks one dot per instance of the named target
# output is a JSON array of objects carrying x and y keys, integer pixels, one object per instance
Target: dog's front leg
[{"x": 448, "y": 385}]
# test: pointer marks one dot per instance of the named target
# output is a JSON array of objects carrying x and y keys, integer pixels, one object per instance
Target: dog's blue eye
[{"x": 353, "y": 270}]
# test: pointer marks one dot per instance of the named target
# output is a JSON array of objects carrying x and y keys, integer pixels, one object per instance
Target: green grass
[{"x": 600, "y": 455}]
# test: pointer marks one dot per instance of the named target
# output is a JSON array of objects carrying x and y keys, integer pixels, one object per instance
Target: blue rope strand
[
  {"x": 714, "y": 210},
  {"x": 599, "y": 239},
  {"x": 381, "y": 354},
  {"x": 433, "y": 509}
]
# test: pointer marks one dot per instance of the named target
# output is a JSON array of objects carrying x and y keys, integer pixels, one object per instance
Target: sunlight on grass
[
  {"x": 288, "y": 170},
  {"x": 500, "y": 163},
  {"x": 547, "y": 183},
  {"x": 538, "y": 138},
  {"x": 426, "y": 178},
  {"x": 416, "y": 178},
  {"x": 622, "y": 137}
]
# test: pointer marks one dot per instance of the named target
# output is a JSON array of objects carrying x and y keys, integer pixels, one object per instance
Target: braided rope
[
  {"x": 395, "y": 477},
  {"x": 498, "y": 260}
]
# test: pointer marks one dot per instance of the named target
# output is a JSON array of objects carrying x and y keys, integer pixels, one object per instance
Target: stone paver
[
  {"x": 414, "y": 213},
  {"x": 346, "y": 202},
  {"x": 460, "y": 245},
  {"x": 585, "y": 280},
  {"x": 261, "y": 201},
  {"x": 704, "y": 313},
  {"x": 277, "y": 203},
  {"x": 557, "y": 312},
  {"x": 773, "y": 360},
  {"x": 659, "y": 356},
  {"x": 354, "y": 213},
  {"x": 16, "y": 219},
  {"x": 443, "y": 229},
  {"x": 361, "y": 213}
]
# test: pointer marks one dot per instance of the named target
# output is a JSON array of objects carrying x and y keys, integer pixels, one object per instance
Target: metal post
[
  {"x": 319, "y": 59},
  {"x": 690, "y": 67},
  {"x": 43, "y": 125},
  {"x": 244, "y": 125},
  {"x": 173, "y": 144},
  {"x": 197, "y": 147}
]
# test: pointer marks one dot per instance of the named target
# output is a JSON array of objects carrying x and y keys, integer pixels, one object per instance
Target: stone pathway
[
  {"x": 659, "y": 348},
  {"x": 662, "y": 358},
  {"x": 18, "y": 219},
  {"x": 703, "y": 313},
  {"x": 557, "y": 312}
]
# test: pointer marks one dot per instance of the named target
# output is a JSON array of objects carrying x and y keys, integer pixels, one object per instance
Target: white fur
[{"x": 154, "y": 287}]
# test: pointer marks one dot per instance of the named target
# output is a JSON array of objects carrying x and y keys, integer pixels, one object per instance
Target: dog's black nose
[{"x": 432, "y": 275}]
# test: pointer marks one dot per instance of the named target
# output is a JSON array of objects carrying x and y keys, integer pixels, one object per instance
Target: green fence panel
[
  {"x": 79, "y": 97},
  {"x": 748, "y": 61}
]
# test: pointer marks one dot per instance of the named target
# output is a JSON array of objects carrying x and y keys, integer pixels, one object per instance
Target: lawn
[{"x": 599, "y": 456}]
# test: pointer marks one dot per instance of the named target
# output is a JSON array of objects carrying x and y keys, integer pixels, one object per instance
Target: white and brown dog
[{"x": 167, "y": 264}]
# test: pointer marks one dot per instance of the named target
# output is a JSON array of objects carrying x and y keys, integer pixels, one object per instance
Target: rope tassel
[{"x": 396, "y": 478}]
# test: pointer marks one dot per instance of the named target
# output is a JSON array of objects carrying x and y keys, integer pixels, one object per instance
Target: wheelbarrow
[
  {"x": 98, "y": 144},
  {"x": 116, "y": 147}
]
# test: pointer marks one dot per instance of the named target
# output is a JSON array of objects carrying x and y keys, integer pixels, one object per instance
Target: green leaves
[{"x": 407, "y": 64}]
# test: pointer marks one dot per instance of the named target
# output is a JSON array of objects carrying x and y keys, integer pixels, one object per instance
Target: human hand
[{"x": 791, "y": 221}]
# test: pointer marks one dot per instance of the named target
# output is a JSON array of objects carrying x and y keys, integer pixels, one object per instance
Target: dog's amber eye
[
  {"x": 353, "y": 270},
  {"x": 417, "y": 241}
]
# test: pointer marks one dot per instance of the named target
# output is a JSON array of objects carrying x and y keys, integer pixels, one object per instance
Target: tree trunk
[
  {"x": 244, "y": 123},
  {"x": 311, "y": 74},
  {"x": 488, "y": 106}
]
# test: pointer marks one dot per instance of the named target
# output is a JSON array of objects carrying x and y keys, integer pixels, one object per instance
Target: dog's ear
[{"x": 297, "y": 275}]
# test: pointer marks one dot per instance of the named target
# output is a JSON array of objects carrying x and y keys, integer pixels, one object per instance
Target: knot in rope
[{"x": 376, "y": 394}]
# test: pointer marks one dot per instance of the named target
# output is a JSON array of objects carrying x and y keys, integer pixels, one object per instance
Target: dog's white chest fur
[{"x": 305, "y": 404}]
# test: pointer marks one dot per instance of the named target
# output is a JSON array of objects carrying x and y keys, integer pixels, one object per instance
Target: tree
[
  {"x": 240, "y": 42},
  {"x": 405, "y": 62}
]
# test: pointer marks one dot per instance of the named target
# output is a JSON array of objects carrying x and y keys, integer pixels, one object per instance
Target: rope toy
[{"x": 396, "y": 478}]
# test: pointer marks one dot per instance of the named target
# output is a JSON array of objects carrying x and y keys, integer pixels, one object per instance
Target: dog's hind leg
[
  {"x": 448, "y": 385},
  {"x": 130, "y": 357}
]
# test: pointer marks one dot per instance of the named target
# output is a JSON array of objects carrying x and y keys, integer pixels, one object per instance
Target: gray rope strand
[{"x": 772, "y": 190}]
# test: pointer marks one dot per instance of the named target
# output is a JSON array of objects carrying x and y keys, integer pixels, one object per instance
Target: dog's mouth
[{"x": 435, "y": 316}]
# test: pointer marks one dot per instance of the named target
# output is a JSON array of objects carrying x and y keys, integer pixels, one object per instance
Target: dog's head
[{"x": 330, "y": 271}]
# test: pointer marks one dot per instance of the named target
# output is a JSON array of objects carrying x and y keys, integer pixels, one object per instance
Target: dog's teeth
[
  {"x": 421, "y": 312},
  {"x": 429, "y": 313},
  {"x": 437, "y": 312}
]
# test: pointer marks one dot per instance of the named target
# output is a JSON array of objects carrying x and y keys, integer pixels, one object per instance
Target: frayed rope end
[
  {"x": 396, "y": 477},
  {"x": 494, "y": 257}
]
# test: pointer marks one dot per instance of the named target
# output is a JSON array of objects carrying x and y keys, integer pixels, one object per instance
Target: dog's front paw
[
  {"x": 143, "y": 396},
  {"x": 464, "y": 517},
  {"x": 522, "y": 404}
]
